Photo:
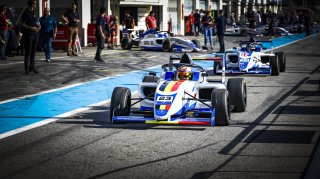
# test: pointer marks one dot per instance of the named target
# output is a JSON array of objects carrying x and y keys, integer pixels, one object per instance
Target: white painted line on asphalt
[
  {"x": 47, "y": 121},
  {"x": 11, "y": 63},
  {"x": 74, "y": 85},
  {"x": 50, "y": 120}
]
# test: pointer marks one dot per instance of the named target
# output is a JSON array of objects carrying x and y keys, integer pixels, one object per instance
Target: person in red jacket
[{"x": 151, "y": 21}]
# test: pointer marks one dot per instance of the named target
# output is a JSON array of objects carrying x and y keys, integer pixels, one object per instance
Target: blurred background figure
[
  {"x": 48, "y": 32},
  {"x": 4, "y": 35}
]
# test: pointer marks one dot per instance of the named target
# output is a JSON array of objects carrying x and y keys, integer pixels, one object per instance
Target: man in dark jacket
[
  {"x": 100, "y": 32},
  {"x": 31, "y": 30},
  {"x": 221, "y": 28}
]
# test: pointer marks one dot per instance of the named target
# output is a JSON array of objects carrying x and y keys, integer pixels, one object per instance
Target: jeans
[
  {"x": 73, "y": 33},
  {"x": 4, "y": 35},
  {"x": 100, "y": 43},
  {"x": 30, "y": 45},
  {"x": 207, "y": 34},
  {"x": 47, "y": 45}
]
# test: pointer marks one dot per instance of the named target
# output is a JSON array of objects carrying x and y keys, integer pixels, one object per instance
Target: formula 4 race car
[
  {"x": 250, "y": 58},
  {"x": 159, "y": 40},
  {"x": 182, "y": 95}
]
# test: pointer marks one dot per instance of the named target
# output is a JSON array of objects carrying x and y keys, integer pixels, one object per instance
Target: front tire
[
  {"x": 120, "y": 102},
  {"x": 237, "y": 89},
  {"x": 275, "y": 66},
  {"x": 126, "y": 43},
  {"x": 219, "y": 101},
  {"x": 282, "y": 60}
]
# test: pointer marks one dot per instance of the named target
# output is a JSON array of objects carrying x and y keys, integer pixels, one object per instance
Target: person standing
[
  {"x": 4, "y": 35},
  {"x": 151, "y": 21},
  {"x": 191, "y": 21},
  {"x": 197, "y": 22},
  {"x": 307, "y": 22},
  {"x": 221, "y": 28},
  {"x": 72, "y": 18},
  {"x": 128, "y": 22},
  {"x": 207, "y": 25},
  {"x": 31, "y": 28},
  {"x": 100, "y": 33},
  {"x": 48, "y": 32}
]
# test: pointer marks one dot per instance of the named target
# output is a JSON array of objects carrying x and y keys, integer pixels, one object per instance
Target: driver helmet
[{"x": 185, "y": 73}]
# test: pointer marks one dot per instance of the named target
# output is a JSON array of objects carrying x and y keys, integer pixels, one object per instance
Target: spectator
[
  {"x": 151, "y": 21},
  {"x": 48, "y": 32},
  {"x": 4, "y": 35},
  {"x": 232, "y": 19},
  {"x": 307, "y": 22},
  {"x": 270, "y": 21},
  {"x": 128, "y": 22},
  {"x": 207, "y": 25},
  {"x": 31, "y": 28},
  {"x": 251, "y": 19},
  {"x": 111, "y": 24},
  {"x": 191, "y": 21},
  {"x": 197, "y": 22},
  {"x": 100, "y": 32},
  {"x": 72, "y": 18},
  {"x": 257, "y": 18},
  {"x": 221, "y": 28}
]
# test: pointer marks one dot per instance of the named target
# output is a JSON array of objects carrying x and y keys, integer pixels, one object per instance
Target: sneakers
[{"x": 48, "y": 60}]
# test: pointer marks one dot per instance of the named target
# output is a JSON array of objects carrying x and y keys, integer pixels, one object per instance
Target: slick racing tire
[
  {"x": 274, "y": 65},
  {"x": 282, "y": 60},
  {"x": 237, "y": 89},
  {"x": 220, "y": 101},
  {"x": 120, "y": 102},
  {"x": 166, "y": 46},
  {"x": 196, "y": 42},
  {"x": 151, "y": 79},
  {"x": 126, "y": 43}
]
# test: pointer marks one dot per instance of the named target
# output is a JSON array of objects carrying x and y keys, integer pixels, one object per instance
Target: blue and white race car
[
  {"x": 181, "y": 95},
  {"x": 250, "y": 58},
  {"x": 159, "y": 40}
]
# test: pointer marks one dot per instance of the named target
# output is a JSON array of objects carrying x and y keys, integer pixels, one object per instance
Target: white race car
[
  {"x": 250, "y": 58},
  {"x": 182, "y": 95},
  {"x": 161, "y": 41}
]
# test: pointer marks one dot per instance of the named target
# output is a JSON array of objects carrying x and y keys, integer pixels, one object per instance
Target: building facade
[{"x": 176, "y": 10}]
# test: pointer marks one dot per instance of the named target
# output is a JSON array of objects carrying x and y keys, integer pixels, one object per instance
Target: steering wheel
[{"x": 192, "y": 66}]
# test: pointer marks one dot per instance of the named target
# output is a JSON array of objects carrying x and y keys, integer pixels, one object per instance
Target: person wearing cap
[
  {"x": 72, "y": 18},
  {"x": 4, "y": 35},
  {"x": 31, "y": 27},
  {"x": 100, "y": 33}
]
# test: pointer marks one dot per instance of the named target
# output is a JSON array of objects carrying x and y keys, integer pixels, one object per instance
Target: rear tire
[
  {"x": 120, "y": 102},
  {"x": 237, "y": 89},
  {"x": 166, "y": 46},
  {"x": 126, "y": 43},
  {"x": 275, "y": 66},
  {"x": 219, "y": 101},
  {"x": 196, "y": 42},
  {"x": 282, "y": 60},
  {"x": 151, "y": 79}
]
